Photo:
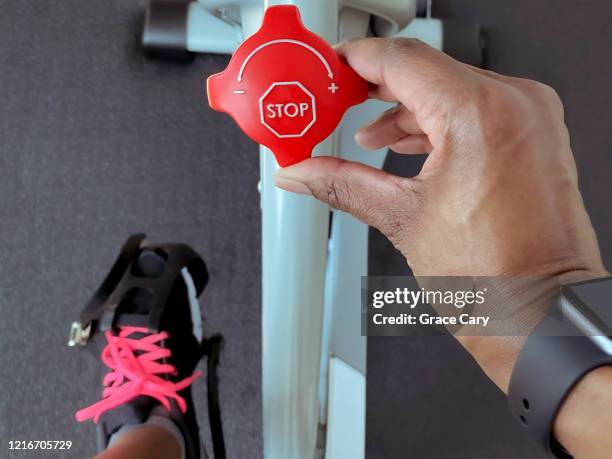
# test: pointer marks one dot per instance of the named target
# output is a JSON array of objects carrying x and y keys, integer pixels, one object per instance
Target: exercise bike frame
[{"x": 314, "y": 357}]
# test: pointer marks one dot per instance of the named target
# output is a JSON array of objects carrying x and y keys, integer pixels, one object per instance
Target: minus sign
[{"x": 239, "y": 91}]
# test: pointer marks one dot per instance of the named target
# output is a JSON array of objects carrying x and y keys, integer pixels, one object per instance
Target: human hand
[
  {"x": 498, "y": 192},
  {"x": 497, "y": 195}
]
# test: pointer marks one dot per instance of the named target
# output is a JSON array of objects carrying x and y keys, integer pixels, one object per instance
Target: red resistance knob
[{"x": 286, "y": 87}]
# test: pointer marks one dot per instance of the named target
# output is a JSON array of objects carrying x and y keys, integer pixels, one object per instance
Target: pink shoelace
[{"x": 133, "y": 375}]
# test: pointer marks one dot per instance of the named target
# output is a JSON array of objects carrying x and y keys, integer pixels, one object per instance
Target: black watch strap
[{"x": 555, "y": 357}]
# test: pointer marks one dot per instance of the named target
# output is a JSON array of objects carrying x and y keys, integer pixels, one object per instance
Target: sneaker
[{"x": 144, "y": 323}]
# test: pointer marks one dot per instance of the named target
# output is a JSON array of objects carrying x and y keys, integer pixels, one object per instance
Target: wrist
[
  {"x": 496, "y": 355},
  {"x": 519, "y": 304},
  {"x": 583, "y": 424},
  {"x": 529, "y": 299}
]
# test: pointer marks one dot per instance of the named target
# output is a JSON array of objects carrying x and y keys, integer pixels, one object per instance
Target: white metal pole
[{"x": 294, "y": 256}]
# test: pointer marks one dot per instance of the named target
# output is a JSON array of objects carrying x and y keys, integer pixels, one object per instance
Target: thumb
[{"x": 379, "y": 199}]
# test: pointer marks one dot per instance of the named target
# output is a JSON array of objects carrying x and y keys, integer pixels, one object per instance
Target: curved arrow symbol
[{"x": 330, "y": 74}]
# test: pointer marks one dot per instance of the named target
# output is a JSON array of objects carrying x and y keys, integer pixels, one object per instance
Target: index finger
[{"x": 406, "y": 70}]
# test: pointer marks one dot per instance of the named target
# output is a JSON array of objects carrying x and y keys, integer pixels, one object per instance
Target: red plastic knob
[{"x": 286, "y": 87}]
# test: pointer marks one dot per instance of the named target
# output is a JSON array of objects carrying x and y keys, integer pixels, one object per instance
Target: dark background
[
  {"x": 96, "y": 142},
  {"x": 426, "y": 397}
]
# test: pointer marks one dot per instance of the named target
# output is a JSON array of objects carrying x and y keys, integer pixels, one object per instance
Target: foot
[{"x": 144, "y": 323}]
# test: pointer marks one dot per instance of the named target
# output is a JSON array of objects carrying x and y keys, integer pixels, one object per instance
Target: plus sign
[{"x": 333, "y": 88}]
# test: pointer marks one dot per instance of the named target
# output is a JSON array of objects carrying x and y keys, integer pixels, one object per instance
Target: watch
[{"x": 573, "y": 339}]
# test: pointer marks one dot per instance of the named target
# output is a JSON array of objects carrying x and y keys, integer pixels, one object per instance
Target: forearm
[{"x": 584, "y": 422}]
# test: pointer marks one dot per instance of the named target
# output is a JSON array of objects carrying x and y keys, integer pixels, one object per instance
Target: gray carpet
[{"x": 96, "y": 142}]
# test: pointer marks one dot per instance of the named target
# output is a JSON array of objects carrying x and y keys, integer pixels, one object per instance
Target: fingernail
[
  {"x": 360, "y": 135},
  {"x": 293, "y": 186}
]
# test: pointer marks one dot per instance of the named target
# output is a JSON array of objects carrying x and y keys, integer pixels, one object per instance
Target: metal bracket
[{"x": 79, "y": 335}]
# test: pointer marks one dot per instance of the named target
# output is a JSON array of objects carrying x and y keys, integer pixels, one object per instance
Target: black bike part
[
  {"x": 165, "y": 30},
  {"x": 101, "y": 295},
  {"x": 142, "y": 278},
  {"x": 212, "y": 348}
]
